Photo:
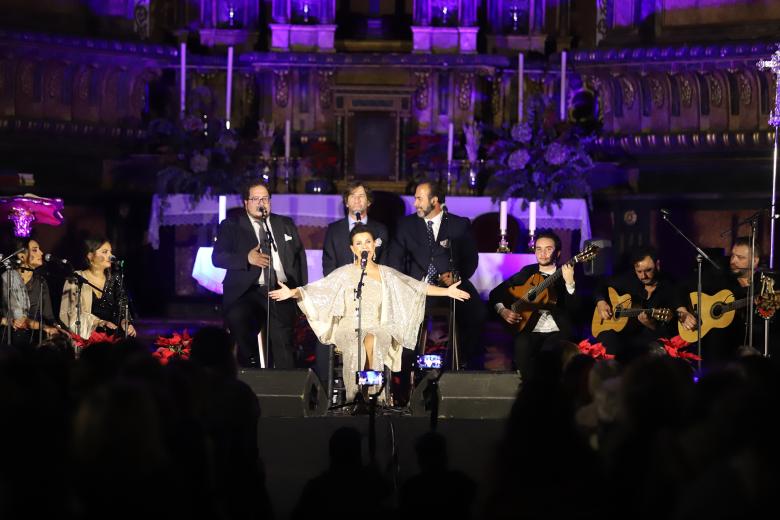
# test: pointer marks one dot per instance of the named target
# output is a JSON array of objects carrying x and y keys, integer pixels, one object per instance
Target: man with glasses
[
  {"x": 259, "y": 249},
  {"x": 336, "y": 250}
]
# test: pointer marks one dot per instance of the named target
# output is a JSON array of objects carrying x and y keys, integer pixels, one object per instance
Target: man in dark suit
[
  {"x": 439, "y": 246},
  {"x": 336, "y": 251},
  {"x": 546, "y": 328},
  {"x": 254, "y": 262}
]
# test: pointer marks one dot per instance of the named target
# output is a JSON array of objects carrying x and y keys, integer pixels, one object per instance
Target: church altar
[
  {"x": 493, "y": 269},
  {"x": 321, "y": 210}
]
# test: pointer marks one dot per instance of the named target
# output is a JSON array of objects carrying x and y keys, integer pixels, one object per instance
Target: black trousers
[
  {"x": 246, "y": 318},
  {"x": 529, "y": 347}
]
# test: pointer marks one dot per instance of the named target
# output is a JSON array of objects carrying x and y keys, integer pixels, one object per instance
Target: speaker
[
  {"x": 466, "y": 395},
  {"x": 601, "y": 264},
  {"x": 287, "y": 393}
]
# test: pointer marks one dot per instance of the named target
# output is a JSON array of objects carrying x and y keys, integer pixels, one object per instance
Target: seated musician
[
  {"x": 644, "y": 288},
  {"x": 543, "y": 328},
  {"x": 720, "y": 343}
]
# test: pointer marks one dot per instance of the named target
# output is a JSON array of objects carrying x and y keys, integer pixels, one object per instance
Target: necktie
[
  {"x": 352, "y": 223},
  {"x": 431, "y": 268},
  {"x": 265, "y": 245}
]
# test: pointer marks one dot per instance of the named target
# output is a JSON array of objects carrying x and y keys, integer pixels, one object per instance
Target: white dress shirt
[
  {"x": 436, "y": 224},
  {"x": 276, "y": 261}
]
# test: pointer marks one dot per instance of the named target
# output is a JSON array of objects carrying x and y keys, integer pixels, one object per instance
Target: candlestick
[
  {"x": 287, "y": 140},
  {"x": 183, "y": 78},
  {"x": 450, "y": 137},
  {"x": 502, "y": 217},
  {"x": 532, "y": 217},
  {"x": 520, "y": 86},
  {"x": 563, "y": 86},
  {"x": 229, "y": 90}
]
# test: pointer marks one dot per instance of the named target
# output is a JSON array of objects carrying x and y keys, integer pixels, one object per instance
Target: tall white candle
[
  {"x": 229, "y": 89},
  {"x": 287, "y": 139},
  {"x": 502, "y": 217},
  {"x": 563, "y": 86},
  {"x": 520, "y": 85},
  {"x": 450, "y": 137},
  {"x": 183, "y": 77},
  {"x": 532, "y": 218},
  {"x": 222, "y": 208}
]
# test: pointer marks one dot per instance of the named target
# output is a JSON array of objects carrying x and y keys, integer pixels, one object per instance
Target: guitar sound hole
[
  {"x": 717, "y": 311},
  {"x": 531, "y": 296}
]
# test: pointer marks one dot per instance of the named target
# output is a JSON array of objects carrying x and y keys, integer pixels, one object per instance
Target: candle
[
  {"x": 229, "y": 90},
  {"x": 287, "y": 139},
  {"x": 450, "y": 136},
  {"x": 502, "y": 217},
  {"x": 222, "y": 208},
  {"x": 183, "y": 78},
  {"x": 563, "y": 86},
  {"x": 532, "y": 218},
  {"x": 520, "y": 85}
]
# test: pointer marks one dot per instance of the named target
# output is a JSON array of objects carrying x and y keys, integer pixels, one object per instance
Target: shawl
[{"x": 402, "y": 308}]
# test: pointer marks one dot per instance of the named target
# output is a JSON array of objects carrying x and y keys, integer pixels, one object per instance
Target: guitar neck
[
  {"x": 633, "y": 313},
  {"x": 736, "y": 304},
  {"x": 547, "y": 282}
]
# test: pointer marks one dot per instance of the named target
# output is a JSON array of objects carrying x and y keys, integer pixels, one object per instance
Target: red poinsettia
[
  {"x": 175, "y": 347},
  {"x": 674, "y": 347},
  {"x": 95, "y": 337},
  {"x": 596, "y": 351}
]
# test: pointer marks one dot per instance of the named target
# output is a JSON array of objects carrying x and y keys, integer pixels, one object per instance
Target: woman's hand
[
  {"x": 457, "y": 294},
  {"x": 279, "y": 295},
  {"x": 107, "y": 324},
  {"x": 129, "y": 328}
]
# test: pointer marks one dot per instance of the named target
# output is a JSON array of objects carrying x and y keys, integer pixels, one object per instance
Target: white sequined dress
[{"x": 392, "y": 310}]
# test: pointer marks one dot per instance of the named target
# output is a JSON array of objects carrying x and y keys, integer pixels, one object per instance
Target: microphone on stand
[
  {"x": 264, "y": 215},
  {"x": 357, "y": 217},
  {"x": 363, "y": 259}
]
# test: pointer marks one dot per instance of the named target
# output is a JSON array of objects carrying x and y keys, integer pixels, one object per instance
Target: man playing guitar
[
  {"x": 653, "y": 298},
  {"x": 552, "y": 322}
]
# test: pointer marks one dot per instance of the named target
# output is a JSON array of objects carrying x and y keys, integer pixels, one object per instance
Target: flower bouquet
[{"x": 175, "y": 347}]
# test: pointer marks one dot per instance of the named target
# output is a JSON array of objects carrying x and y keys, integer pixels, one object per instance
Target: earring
[
  {"x": 373, "y": 257},
  {"x": 354, "y": 258}
]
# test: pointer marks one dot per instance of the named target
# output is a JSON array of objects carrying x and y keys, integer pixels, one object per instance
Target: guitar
[
  {"x": 533, "y": 295},
  {"x": 621, "y": 312},
  {"x": 718, "y": 311}
]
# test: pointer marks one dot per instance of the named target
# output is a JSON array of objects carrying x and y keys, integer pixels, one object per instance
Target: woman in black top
[{"x": 100, "y": 308}]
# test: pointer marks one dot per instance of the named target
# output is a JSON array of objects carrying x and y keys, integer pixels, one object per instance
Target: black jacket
[
  {"x": 410, "y": 254},
  {"x": 236, "y": 237},
  {"x": 335, "y": 250},
  {"x": 563, "y": 311}
]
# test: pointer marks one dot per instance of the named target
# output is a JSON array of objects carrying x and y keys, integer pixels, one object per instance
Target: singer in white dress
[{"x": 392, "y": 309}]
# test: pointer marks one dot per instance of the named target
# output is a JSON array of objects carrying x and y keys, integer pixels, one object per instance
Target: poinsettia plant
[
  {"x": 594, "y": 350},
  {"x": 96, "y": 337},
  {"x": 175, "y": 347},
  {"x": 676, "y": 346}
]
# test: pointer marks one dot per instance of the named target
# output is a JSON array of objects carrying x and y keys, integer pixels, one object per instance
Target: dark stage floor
[{"x": 296, "y": 449}]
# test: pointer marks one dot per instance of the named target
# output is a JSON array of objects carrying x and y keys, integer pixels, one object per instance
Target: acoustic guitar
[
  {"x": 718, "y": 310},
  {"x": 534, "y": 295},
  {"x": 621, "y": 312}
]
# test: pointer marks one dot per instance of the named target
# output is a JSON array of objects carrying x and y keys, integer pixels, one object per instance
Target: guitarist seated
[
  {"x": 650, "y": 300},
  {"x": 550, "y": 323},
  {"x": 722, "y": 337}
]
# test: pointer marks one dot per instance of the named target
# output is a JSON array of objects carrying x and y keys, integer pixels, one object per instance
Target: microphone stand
[
  {"x": 80, "y": 281},
  {"x": 5, "y": 264},
  {"x": 452, "y": 329},
  {"x": 359, "y": 402},
  {"x": 700, "y": 257},
  {"x": 269, "y": 245}
]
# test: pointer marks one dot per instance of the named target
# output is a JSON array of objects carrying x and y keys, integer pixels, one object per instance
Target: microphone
[
  {"x": 263, "y": 213},
  {"x": 48, "y": 257},
  {"x": 363, "y": 259},
  {"x": 665, "y": 212},
  {"x": 357, "y": 216}
]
